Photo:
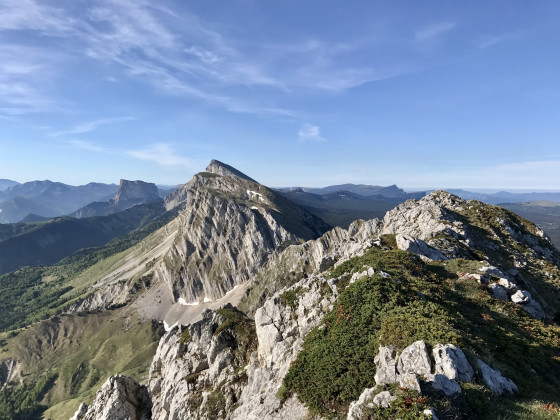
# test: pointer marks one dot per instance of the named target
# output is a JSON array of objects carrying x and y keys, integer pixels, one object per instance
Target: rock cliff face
[
  {"x": 230, "y": 227},
  {"x": 130, "y": 193},
  {"x": 228, "y": 365}
]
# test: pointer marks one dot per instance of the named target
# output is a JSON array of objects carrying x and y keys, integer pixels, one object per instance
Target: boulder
[
  {"x": 386, "y": 366},
  {"x": 415, "y": 359},
  {"x": 498, "y": 291},
  {"x": 418, "y": 247},
  {"x": 384, "y": 399},
  {"x": 451, "y": 362},
  {"x": 494, "y": 379},
  {"x": 443, "y": 383},
  {"x": 507, "y": 284},
  {"x": 120, "y": 397},
  {"x": 410, "y": 381},
  {"x": 521, "y": 296},
  {"x": 430, "y": 413},
  {"x": 355, "y": 411}
]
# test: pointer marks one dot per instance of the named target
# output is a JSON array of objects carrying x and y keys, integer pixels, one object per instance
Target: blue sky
[{"x": 421, "y": 94}]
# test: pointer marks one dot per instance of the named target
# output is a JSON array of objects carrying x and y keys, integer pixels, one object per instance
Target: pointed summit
[{"x": 220, "y": 168}]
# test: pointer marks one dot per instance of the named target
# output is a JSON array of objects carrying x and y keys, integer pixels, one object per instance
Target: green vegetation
[
  {"x": 290, "y": 297},
  {"x": 243, "y": 329},
  {"x": 20, "y": 403},
  {"x": 34, "y": 293},
  {"x": 185, "y": 336},
  {"x": 409, "y": 405},
  {"x": 421, "y": 302}
]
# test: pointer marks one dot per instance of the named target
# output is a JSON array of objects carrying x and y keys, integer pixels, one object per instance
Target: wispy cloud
[
  {"x": 162, "y": 154},
  {"x": 91, "y": 126},
  {"x": 310, "y": 132},
  {"x": 184, "y": 55},
  {"x": 24, "y": 80},
  {"x": 488, "y": 41},
  {"x": 86, "y": 145},
  {"x": 31, "y": 15},
  {"x": 433, "y": 31}
]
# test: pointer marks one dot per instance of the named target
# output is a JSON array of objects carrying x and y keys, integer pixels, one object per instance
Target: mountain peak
[
  {"x": 220, "y": 168},
  {"x": 135, "y": 190}
]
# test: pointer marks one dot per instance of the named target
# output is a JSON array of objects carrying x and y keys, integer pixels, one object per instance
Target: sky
[{"x": 422, "y": 94}]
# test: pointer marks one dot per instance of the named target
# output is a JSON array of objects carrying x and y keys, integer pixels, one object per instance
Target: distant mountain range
[
  {"x": 391, "y": 191},
  {"x": 49, "y": 199},
  {"x": 40, "y": 200},
  {"x": 545, "y": 214},
  {"x": 506, "y": 197},
  {"x": 7, "y": 183},
  {"x": 130, "y": 193}
]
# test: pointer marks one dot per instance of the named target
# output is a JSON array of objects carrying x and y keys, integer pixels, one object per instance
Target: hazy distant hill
[
  {"x": 130, "y": 193},
  {"x": 48, "y": 242},
  {"x": 545, "y": 214},
  {"x": 340, "y": 205},
  {"x": 47, "y": 198},
  {"x": 391, "y": 191},
  {"x": 507, "y": 197},
  {"x": 7, "y": 183},
  {"x": 15, "y": 209}
]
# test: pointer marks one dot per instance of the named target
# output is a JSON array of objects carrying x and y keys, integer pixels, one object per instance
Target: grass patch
[
  {"x": 421, "y": 302},
  {"x": 290, "y": 297}
]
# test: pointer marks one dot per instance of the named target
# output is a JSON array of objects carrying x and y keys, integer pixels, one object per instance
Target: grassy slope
[
  {"x": 34, "y": 293},
  {"x": 100, "y": 345},
  {"x": 430, "y": 303},
  {"x": 87, "y": 347},
  {"x": 544, "y": 214},
  {"x": 48, "y": 242}
]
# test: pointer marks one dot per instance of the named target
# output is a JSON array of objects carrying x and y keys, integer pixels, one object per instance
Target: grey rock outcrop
[
  {"x": 451, "y": 362},
  {"x": 9, "y": 372},
  {"x": 80, "y": 412},
  {"x": 444, "y": 384},
  {"x": 383, "y": 399},
  {"x": 120, "y": 397},
  {"x": 494, "y": 379},
  {"x": 135, "y": 192},
  {"x": 415, "y": 359},
  {"x": 498, "y": 291},
  {"x": 197, "y": 364},
  {"x": 386, "y": 366},
  {"x": 130, "y": 193},
  {"x": 521, "y": 296},
  {"x": 356, "y": 409},
  {"x": 418, "y": 247},
  {"x": 230, "y": 228}
]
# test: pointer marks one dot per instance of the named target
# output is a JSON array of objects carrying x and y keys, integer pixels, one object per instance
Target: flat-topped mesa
[
  {"x": 220, "y": 168},
  {"x": 137, "y": 191}
]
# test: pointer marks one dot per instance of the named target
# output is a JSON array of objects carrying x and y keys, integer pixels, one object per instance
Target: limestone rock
[
  {"x": 494, "y": 379},
  {"x": 386, "y": 366},
  {"x": 410, "y": 381},
  {"x": 498, "y": 291},
  {"x": 451, "y": 362},
  {"x": 9, "y": 372},
  {"x": 419, "y": 247},
  {"x": 509, "y": 285},
  {"x": 521, "y": 296},
  {"x": 443, "y": 383},
  {"x": 355, "y": 411},
  {"x": 120, "y": 397},
  {"x": 229, "y": 229},
  {"x": 415, "y": 359},
  {"x": 430, "y": 413},
  {"x": 383, "y": 399},
  {"x": 80, "y": 412}
]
